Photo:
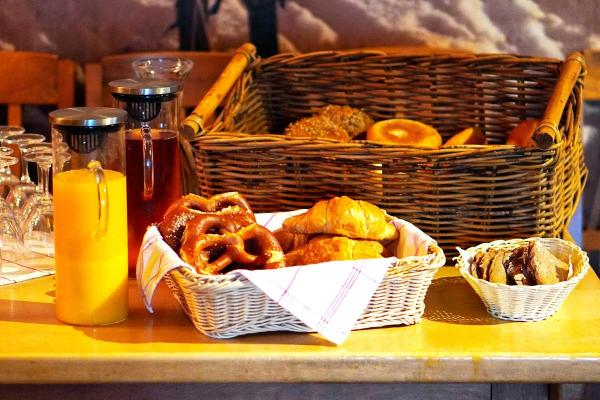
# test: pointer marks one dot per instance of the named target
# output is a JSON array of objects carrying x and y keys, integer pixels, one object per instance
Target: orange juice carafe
[
  {"x": 152, "y": 152},
  {"x": 90, "y": 215}
]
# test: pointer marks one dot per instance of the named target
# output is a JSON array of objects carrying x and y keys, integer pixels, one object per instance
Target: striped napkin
[{"x": 327, "y": 297}]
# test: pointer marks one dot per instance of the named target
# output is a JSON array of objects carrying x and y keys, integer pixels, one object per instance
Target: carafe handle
[
  {"x": 148, "y": 160},
  {"x": 96, "y": 168}
]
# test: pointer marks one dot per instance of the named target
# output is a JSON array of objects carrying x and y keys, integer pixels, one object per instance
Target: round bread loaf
[{"x": 404, "y": 132}]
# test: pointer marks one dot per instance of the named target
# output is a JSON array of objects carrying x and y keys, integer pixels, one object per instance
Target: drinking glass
[
  {"x": 9, "y": 130},
  {"x": 19, "y": 193},
  {"x": 38, "y": 225},
  {"x": 10, "y": 234},
  {"x": 7, "y": 162},
  {"x": 40, "y": 193},
  {"x": 7, "y": 178}
]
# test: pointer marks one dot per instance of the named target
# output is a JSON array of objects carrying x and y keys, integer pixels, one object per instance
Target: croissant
[
  {"x": 343, "y": 216},
  {"x": 289, "y": 240},
  {"x": 333, "y": 248}
]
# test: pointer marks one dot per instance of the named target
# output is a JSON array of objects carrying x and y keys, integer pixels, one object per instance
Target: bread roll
[
  {"x": 344, "y": 216},
  {"x": 522, "y": 134},
  {"x": 404, "y": 132},
  {"x": 472, "y": 135},
  {"x": 352, "y": 120},
  {"x": 317, "y": 127}
]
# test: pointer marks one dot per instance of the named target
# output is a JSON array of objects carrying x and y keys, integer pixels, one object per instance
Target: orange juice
[{"x": 91, "y": 271}]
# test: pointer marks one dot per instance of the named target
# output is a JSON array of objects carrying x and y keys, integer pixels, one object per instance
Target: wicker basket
[
  {"x": 460, "y": 196},
  {"x": 526, "y": 303},
  {"x": 225, "y": 306}
]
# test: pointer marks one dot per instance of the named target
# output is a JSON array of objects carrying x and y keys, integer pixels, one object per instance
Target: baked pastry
[
  {"x": 474, "y": 267},
  {"x": 344, "y": 216},
  {"x": 352, "y": 120},
  {"x": 251, "y": 247},
  {"x": 527, "y": 265},
  {"x": 214, "y": 203},
  {"x": 404, "y": 132},
  {"x": 516, "y": 268},
  {"x": 317, "y": 127},
  {"x": 496, "y": 270},
  {"x": 472, "y": 135},
  {"x": 189, "y": 206},
  {"x": 482, "y": 263},
  {"x": 522, "y": 134},
  {"x": 290, "y": 240},
  {"x": 546, "y": 268},
  {"x": 333, "y": 248},
  {"x": 217, "y": 223}
]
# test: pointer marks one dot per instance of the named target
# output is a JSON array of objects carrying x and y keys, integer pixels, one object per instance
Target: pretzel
[
  {"x": 212, "y": 204},
  {"x": 216, "y": 223},
  {"x": 189, "y": 206},
  {"x": 251, "y": 247}
]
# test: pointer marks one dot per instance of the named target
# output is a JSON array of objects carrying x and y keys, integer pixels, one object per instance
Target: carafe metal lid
[
  {"x": 144, "y": 87},
  {"x": 88, "y": 116}
]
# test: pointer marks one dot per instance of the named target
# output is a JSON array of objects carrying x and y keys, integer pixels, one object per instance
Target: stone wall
[{"x": 84, "y": 30}]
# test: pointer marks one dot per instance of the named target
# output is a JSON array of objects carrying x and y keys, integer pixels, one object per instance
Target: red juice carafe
[{"x": 152, "y": 152}]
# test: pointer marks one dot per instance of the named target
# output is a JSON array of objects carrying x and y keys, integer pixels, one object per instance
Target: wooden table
[{"x": 457, "y": 341}]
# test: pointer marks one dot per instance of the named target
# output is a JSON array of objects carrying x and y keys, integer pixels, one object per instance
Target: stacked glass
[{"x": 26, "y": 209}]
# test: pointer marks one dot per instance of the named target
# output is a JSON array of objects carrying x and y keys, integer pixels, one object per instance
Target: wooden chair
[
  {"x": 207, "y": 68},
  {"x": 33, "y": 78}
]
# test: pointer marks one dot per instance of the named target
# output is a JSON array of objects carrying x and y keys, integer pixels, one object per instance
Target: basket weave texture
[
  {"x": 460, "y": 196},
  {"x": 224, "y": 306},
  {"x": 527, "y": 303}
]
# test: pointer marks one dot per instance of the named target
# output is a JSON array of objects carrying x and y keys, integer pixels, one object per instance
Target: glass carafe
[
  {"x": 152, "y": 152},
  {"x": 90, "y": 215},
  {"x": 169, "y": 68}
]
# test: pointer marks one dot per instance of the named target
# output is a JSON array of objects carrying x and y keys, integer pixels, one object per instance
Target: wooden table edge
[{"x": 220, "y": 369}]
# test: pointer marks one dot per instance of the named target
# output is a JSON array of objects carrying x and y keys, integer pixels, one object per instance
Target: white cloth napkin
[{"x": 327, "y": 297}]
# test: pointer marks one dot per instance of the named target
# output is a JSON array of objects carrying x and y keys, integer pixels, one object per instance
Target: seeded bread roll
[
  {"x": 317, "y": 128},
  {"x": 352, "y": 120}
]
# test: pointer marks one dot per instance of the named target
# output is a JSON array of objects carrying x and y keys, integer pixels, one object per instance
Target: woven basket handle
[
  {"x": 243, "y": 57},
  {"x": 547, "y": 133}
]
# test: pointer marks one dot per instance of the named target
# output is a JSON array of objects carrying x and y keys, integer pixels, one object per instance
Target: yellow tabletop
[{"x": 457, "y": 341}]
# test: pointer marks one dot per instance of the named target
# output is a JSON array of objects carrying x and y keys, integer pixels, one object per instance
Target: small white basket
[{"x": 525, "y": 303}]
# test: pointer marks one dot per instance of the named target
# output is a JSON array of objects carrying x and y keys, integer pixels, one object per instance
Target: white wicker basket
[
  {"x": 223, "y": 306},
  {"x": 526, "y": 303}
]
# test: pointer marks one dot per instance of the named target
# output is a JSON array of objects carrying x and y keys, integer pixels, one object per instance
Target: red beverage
[{"x": 167, "y": 185}]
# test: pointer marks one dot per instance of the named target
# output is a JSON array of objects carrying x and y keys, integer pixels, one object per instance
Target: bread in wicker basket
[
  {"x": 460, "y": 195},
  {"x": 525, "y": 303},
  {"x": 226, "y": 306}
]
